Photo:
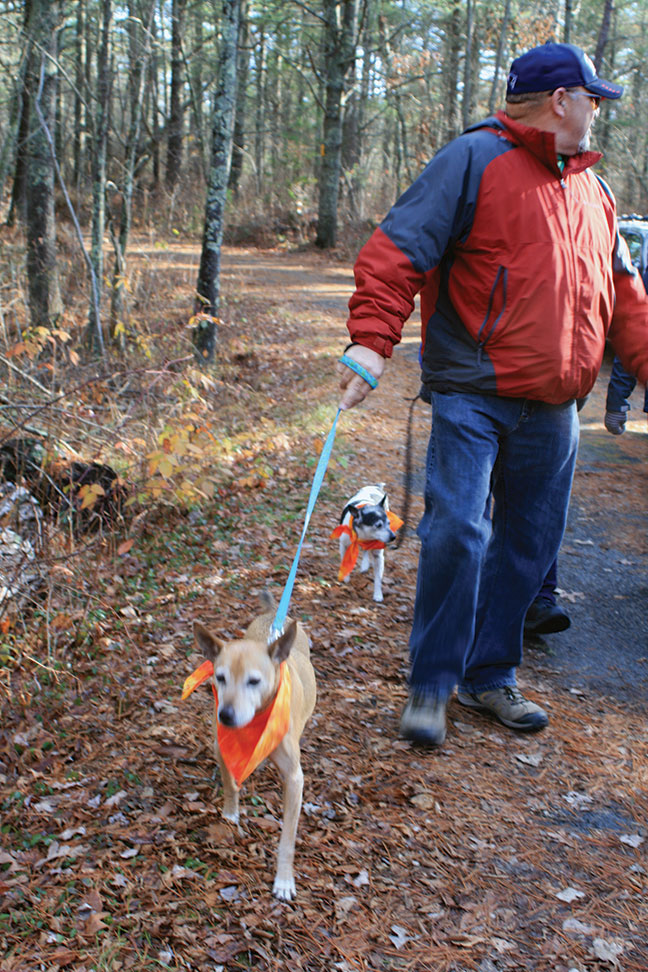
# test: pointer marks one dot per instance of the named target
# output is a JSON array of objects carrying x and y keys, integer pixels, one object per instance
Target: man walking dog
[{"x": 511, "y": 240}]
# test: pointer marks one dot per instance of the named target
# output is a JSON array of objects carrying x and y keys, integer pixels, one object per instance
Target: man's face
[{"x": 581, "y": 108}]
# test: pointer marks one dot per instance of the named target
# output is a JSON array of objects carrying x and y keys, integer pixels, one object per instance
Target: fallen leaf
[
  {"x": 607, "y": 951},
  {"x": 569, "y": 894},
  {"x": 400, "y": 936},
  {"x": 532, "y": 759},
  {"x": 344, "y": 905},
  {"x": 634, "y": 840},
  {"x": 115, "y": 799},
  {"x": 424, "y": 801}
]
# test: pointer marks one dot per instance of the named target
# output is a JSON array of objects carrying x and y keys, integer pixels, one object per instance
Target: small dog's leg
[
  {"x": 364, "y": 566},
  {"x": 287, "y": 761},
  {"x": 379, "y": 570}
]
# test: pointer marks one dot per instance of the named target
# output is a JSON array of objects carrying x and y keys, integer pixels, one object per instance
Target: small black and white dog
[{"x": 366, "y": 525}]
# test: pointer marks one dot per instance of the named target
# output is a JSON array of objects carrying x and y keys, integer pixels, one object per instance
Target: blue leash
[{"x": 282, "y": 610}]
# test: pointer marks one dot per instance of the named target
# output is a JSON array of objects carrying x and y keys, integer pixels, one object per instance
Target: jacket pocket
[{"x": 485, "y": 333}]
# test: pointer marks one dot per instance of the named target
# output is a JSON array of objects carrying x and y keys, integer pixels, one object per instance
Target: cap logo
[{"x": 512, "y": 80}]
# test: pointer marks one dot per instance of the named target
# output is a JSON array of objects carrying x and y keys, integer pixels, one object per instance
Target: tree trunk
[
  {"x": 78, "y": 106},
  {"x": 341, "y": 18},
  {"x": 152, "y": 109},
  {"x": 140, "y": 52},
  {"x": 260, "y": 109},
  {"x": 451, "y": 70},
  {"x": 239, "y": 123},
  {"x": 499, "y": 56},
  {"x": 603, "y": 36},
  {"x": 605, "y": 122},
  {"x": 208, "y": 285},
  {"x": 42, "y": 277},
  {"x": 9, "y": 152},
  {"x": 176, "y": 116},
  {"x": 99, "y": 146},
  {"x": 17, "y": 204},
  {"x": 568, "y": 21},
  {"x": 468, "y": 65}
]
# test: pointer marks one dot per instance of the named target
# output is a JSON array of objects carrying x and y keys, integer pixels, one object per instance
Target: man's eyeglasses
[{"x": 595, "y": 99}]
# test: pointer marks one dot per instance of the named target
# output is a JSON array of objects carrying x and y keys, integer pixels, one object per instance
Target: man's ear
[
  {"x": 279, "y": 649},
  {"x": 208, "y": 644},
  {"x": 558, "y": 101}
]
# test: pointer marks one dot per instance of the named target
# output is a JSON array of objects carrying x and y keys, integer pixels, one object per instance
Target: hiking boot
[
  {"x": 424, "y": 718},
  {"x": 615, "y": 422},
  {"x": 543, "y": 617},
  {"x": 508, "y": 705}
]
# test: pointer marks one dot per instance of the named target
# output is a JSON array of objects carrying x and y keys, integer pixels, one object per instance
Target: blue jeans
[
  {"x": 498, "y": 479},
  {"x": 549, "y": 585}
]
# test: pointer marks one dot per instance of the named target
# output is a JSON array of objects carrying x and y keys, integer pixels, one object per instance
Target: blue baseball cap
[{"x": 552, "y": 66}]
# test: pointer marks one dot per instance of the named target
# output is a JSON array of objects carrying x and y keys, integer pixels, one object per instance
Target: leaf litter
[{"x": 114, "y": 854}]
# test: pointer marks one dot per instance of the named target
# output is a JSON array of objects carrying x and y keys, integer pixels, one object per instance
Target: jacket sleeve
[
  {"x": 629, "y": 329},
  {"x": 404, "y": 253}
]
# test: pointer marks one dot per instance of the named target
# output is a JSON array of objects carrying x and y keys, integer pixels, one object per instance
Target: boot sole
[
  {"x": 521, "y": 727},
  {"x": 549, "y": 627}
]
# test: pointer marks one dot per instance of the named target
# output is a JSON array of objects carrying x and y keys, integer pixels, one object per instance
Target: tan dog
[{"x": 246, "y": 679}]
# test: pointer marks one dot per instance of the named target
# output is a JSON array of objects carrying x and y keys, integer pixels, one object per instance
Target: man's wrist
[{"x": 371, "y": 380}]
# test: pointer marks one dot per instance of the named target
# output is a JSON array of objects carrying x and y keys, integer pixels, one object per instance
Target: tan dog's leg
[
  {"x": 287, "y": 760},
  {"x": 230, "y": 790}
]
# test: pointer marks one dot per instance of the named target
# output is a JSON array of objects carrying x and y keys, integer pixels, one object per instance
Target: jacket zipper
[{"x": 502, "y": 273}]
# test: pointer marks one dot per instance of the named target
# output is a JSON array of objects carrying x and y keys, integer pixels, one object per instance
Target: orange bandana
[
  {"x": 351, "y": 553},
  {"x": 245, "y": 747}
]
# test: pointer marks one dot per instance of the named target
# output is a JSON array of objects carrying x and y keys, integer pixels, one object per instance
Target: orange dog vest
[{"x": 350, "y": 558}]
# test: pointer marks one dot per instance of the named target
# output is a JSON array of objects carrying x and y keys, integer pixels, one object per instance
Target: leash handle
[
  {"x": 282, "y": 610},
  {"x": 359, "y": 370}
]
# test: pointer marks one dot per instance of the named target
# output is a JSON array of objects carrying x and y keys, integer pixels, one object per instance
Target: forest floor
[{"x": 496, "y": 852}]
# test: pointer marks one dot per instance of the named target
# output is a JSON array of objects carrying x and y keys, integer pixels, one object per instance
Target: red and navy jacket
[{"x": 520, "y": 267}]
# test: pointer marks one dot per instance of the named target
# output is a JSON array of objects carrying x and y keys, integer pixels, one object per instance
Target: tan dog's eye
[
  {"x": 253, "y": 680},
  {"x": 220, "y": 678}
]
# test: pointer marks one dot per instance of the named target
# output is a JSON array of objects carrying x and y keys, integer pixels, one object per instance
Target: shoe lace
[{"x": 514, "y": 695}]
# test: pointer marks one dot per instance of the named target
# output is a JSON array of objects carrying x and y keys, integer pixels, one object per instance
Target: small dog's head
[
  {"x": 246, "y": 672},
  {"x": 370, "y": 522}
]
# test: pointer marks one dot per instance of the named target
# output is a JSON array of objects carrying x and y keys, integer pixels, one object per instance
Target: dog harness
[
  {"x": 243, "y": 748},
  {"x": 350, "y": 558}
]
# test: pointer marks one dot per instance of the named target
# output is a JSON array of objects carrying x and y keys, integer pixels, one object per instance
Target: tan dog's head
[{"x": 246, "y": 672}]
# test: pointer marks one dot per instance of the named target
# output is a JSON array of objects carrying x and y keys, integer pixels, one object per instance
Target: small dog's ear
[
  {"x": 353, "y": 510},
  {"x": 208, "y": 644},
  {"x": 383, "y": 500},
  {"x": 279, "y": 649}
]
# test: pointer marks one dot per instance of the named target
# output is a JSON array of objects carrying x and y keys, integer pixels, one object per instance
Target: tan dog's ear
[
  {"x": 279, "y": 649},
  {"x": 208, "y": 644}
]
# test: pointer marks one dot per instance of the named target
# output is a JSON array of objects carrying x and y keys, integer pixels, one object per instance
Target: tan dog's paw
[
  {"x": 284, "y": 888},
  {"x": 231, "y": 815}
]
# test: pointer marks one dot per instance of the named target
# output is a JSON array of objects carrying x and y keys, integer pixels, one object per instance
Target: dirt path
[{"x": 497, "y": 853}]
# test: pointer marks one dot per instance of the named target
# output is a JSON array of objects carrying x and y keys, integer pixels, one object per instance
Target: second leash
[{"x": 284, "y": 603}]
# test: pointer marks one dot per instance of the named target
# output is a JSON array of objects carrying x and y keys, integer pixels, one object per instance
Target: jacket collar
[{"x": 541, "y": 144}]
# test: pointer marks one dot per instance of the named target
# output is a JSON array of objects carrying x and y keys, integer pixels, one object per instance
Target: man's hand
[{"x": 354, "y": 388}]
